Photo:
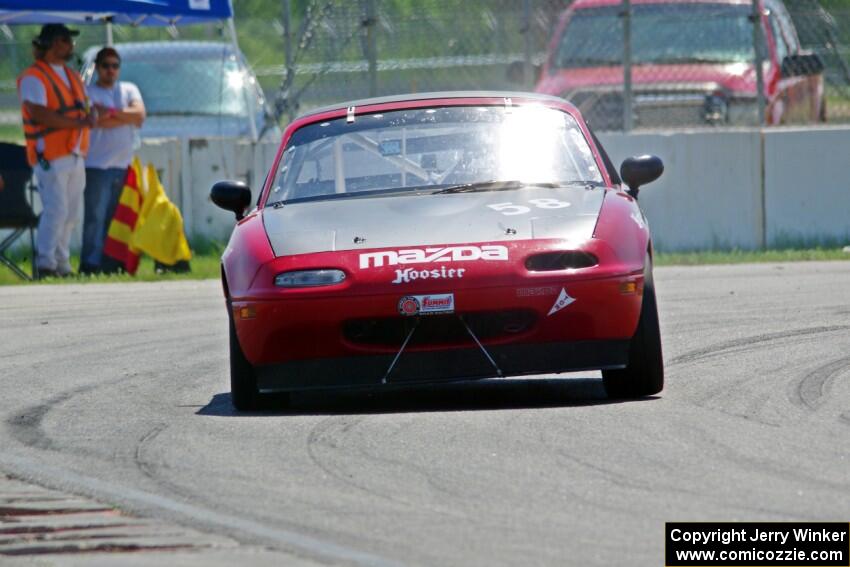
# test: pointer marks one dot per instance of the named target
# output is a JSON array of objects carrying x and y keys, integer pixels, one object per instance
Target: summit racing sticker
[
  {"x": 433, "y": 304},
  {"x": 427, "y": 255}
]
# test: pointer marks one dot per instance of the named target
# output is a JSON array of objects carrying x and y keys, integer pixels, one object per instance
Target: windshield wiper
[
  {"x": 352, "y": 195},
  {"x": 480, "y": 186},
  {"x": 511, "y": 185},
  {"x": 422, "y": 190}
]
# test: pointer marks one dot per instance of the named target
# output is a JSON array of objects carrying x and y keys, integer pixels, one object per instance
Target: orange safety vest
[{"x": 70, "y": 102}]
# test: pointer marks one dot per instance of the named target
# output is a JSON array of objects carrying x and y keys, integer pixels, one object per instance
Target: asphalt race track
[{"x": 116, "y": 396}]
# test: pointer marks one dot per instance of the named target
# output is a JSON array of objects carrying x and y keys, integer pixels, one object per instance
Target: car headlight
[{"x": 309, "y": 278}]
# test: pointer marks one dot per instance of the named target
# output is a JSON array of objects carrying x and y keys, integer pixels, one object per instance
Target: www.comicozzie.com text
[{"x": 726, "y": 536}]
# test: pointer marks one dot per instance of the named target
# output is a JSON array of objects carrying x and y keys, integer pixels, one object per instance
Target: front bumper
[
  {"x": 349, "y": 327},
  {"x": 444, "y": 365}
]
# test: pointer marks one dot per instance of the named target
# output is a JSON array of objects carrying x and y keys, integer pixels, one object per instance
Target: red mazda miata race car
[{"x": 445, "y": 236}]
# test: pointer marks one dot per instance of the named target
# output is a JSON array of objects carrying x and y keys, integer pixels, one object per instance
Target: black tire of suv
[{"x": 644, "y": 375}]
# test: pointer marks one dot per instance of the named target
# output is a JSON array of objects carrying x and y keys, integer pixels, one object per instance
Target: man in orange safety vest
[{"x": 57, "y": 120}]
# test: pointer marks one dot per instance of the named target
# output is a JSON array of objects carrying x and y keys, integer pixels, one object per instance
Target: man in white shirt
[
  {"x": 120, "y": 111},
  {"x": 56, "y": 121}
]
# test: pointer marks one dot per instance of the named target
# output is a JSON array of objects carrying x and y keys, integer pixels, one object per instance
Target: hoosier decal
[
  {"x": 410, "y": 274},
  {"x": 427, "y": 255}
]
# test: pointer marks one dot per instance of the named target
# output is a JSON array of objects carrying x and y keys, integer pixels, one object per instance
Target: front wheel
[
  {"x": 644, "y": 374},
  {"x": 243, "y": 381}
]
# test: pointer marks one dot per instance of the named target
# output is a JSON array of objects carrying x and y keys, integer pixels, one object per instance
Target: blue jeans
[{"x": 103, "y": 190}]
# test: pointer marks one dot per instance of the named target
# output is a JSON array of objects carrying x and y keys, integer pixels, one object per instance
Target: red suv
[{"x": 692, "y": 64}]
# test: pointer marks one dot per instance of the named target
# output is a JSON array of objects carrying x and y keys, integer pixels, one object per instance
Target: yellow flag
[
  {"x": 159, "y": 231},
  {"x": 118, "y": 244}
]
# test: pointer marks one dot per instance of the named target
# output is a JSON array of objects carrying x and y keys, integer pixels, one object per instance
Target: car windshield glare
[
  {"x": 664, "y": 33},
  {"x": 432, "y": 148}
]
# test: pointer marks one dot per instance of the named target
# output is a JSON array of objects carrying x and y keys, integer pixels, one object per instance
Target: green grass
[
  {"x": 11, "y": 133},
  {"x": 204, "y": 266},
  {"x": 207, "y": 254},
  {"x": 749, "y": 256}
]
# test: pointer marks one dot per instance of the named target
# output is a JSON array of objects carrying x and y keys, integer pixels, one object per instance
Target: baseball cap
[{"x": 51, "y": 31}]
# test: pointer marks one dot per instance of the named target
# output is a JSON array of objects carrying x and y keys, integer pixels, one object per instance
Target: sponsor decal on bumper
[
  {"x": 410, "y": 274},
  {"x": 432, "y": 304},
  {"x": 493, "y": 252},
  {"x": 536, "y": 291},
  {"x": 563, "y": 300}
]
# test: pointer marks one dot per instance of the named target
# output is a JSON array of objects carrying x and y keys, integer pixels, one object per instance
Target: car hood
[
  {"x": 567, "y": 213},
  {"x": 738, "y": 78}
]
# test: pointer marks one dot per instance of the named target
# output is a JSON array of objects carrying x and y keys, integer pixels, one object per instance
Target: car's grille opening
[
  {"x": 439, "y": 329},
  {"x": 550, "y": 261}
]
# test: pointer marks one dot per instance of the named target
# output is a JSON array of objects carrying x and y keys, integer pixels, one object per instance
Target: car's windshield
[
  {"x": 212, "y": 85},
  {"x": 431, "y": 149},
  {"x": 661, "y": 33}
]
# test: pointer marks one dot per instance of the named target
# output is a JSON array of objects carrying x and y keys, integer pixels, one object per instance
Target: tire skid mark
[
  {"x": 622, "y": 508},
  {"x": 617, "y": 479},
  {"x": 753, "y": 410},
  {"x": 439, "y": 485},
  {"x": 147, "y": 467},
  {"x": 809, "y": 393},
  {"x": 738, "y": 344},
  {"x": 26, "y": 425},
  {"x": 742, "y": 459},
  {"x": 152, "y": 470},
  {"x": 321, "y": 435},
  {"x": 433, "y": 482}
]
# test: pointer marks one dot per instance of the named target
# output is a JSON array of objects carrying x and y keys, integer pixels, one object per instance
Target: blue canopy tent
[{"x": 132, "y": 12}]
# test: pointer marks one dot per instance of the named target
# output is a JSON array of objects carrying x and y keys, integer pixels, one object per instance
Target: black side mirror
[
  {"x": 232, "y": 196},
  {"x": 637, "y": 171},
  {"x": 801, "y": 65}
]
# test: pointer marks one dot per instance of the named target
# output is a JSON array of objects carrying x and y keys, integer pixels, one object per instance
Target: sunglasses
[
  {"x": 67, "y": 39},
  {"x": 109, "y": 65}
]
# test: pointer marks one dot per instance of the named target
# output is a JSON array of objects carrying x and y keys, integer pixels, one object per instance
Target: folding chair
[{"x": 15, "y": 211}]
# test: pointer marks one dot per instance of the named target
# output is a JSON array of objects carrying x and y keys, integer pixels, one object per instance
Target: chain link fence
[{"x": 625, "y": 64}]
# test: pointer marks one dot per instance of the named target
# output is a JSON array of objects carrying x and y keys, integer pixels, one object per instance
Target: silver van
[{"x": 193, "y": 89}]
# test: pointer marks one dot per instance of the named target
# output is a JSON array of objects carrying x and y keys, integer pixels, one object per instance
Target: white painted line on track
[{"x": 26, "y": 467}]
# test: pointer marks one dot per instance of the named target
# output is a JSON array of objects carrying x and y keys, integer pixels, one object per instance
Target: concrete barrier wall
[
  {"x": 807, "y": 188},
  {"x": 720, "y": 190},
  {"x": 187, "y": 170},
  {"x": 710, "y": 193},
  {"x": 210, "y": 161}
]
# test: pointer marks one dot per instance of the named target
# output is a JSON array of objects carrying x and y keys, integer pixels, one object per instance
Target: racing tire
[
  {"x": 243, "y": 381},
  {"x": 644, "y": 375}
]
